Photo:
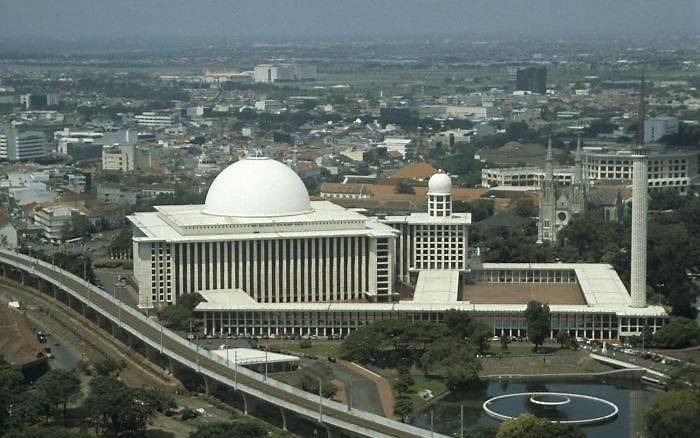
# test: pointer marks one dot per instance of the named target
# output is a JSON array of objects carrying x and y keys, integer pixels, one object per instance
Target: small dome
[
  {"x": 440, "y": 184},
  {"x": 257, "y": 187}
]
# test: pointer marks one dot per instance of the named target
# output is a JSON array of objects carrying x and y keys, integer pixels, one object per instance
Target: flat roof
[
  {"x": 186, "y": 223},
  {"x": 522, "y": 293},
  {"x": 437, "y": 286},
  {"x": 601, "y": 287},
  {"x": 425, "y": 218},
  {"x": 599, "y": 282},
  {"x": 249, "y": 356}
]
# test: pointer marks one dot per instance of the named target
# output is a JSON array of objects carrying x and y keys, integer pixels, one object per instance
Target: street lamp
[{"x": 320, "y": 400}]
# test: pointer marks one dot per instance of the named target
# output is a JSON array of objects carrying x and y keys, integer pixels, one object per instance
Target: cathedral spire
[
  {"x": 549, "y": 169},
  {"x": 578, "y": 175}
]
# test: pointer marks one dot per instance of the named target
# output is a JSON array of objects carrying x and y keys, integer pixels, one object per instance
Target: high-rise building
[
  {"x": 532, "y": 78},
  {"x": 16, "y": 145}
]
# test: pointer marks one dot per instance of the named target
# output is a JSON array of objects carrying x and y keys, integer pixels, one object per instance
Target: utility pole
[
  {"x": 190, "y": 337},
  {"x": 266, "y": 359},
  {"x": 320, "y": 400},
  {"x": 431, "y": 423},
  {"x": 350, "y": 395},
  {"x": 235, "y": 369},
  {"x": 161, "y": 337},
  {"x": 461, "y": 421}
]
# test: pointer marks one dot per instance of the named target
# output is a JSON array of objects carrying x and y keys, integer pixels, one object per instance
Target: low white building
[
  {"x": 433, "y": 240},
  {"x": 17, "y": 145},
  {"x": 259, "y": 235},
  {"x": 150, "y": 119},
  {"x": 52, "y": 220}
]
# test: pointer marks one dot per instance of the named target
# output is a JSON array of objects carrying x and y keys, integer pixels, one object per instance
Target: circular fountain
[{"x": 561, "y": 407}]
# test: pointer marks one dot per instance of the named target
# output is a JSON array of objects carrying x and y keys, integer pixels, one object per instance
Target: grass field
[{"x": 318, "y": 347}]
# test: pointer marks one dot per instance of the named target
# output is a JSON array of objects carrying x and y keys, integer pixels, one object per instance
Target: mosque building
[{"x": 268, "y": 261}]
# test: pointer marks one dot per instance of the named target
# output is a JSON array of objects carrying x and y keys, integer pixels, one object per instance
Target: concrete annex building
[{"x": 268, "y": 261}]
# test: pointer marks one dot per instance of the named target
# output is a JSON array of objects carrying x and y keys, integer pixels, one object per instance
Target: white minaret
[
  {"x": 638, "y": 280},
  {"x": 440, "y": 195}
]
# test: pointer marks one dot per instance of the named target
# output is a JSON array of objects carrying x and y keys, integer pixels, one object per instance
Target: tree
[
  {"x": 403, "y": 406},
  {"x": 538, "y": 322},
  {"x": 235, "y": 429},
  {"x": 673, "y": 414},
  {"x": 308, "y": 379},
  {"x": 362, "y": 345},
  {"x": 59, "y": 387},
  {"x": 563, "y": 338},
  {"x": 678, "y": 333},
  {"x": 404, "y": 380},
  {"x": 479, "y": 334},
  {"x": 404, "y": 187},
  {"x": 115, "y": 406},
  {"x": 525, "y": 207},
  {"x": 529, "y": 426},
  {"x": 481, "y": 431},
  {"x": 109, "y": 366},
  {"x": 504, "y": 343},
  {"x": 10, "y": 381}
]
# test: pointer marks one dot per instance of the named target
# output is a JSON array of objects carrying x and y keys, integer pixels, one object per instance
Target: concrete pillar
[
  {"x": 210, "y": 386},
  {"x": 332, "y": 432},
  {"x": 638, "y": 277},
  {"x": 284, "y": 419}
]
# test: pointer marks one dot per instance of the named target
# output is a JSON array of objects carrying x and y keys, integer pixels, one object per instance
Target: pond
[{"x": 629, "y": 397}]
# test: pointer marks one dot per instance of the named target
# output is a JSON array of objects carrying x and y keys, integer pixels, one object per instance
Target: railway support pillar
[
  {"x": 248, "y": 403},
  {"x": 332, "y": 432},
  {"x": 210, "y": 386},
  {"x": 288, "y": 419}
]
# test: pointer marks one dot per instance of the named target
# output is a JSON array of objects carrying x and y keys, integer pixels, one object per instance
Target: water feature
[{"x": 629, "y": 397}]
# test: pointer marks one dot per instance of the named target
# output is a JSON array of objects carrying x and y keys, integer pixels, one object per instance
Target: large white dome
[
  {"x": 440, "y": 184},
  {"x": 257, "y": 187}
]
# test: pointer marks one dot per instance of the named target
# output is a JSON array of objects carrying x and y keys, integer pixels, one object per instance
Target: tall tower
[
  {"x": 440, "y": 195},
  {"x": 638, "y": 280},
  {"x": 547, "y": 224}
]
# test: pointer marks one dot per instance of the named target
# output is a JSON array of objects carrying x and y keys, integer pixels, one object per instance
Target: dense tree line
[
  {"x": 673, "y": 247},
  {"x": 447, "y": 350}
]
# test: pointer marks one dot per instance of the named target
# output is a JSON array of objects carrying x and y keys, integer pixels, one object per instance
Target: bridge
[{"x": 252, "y": 386}]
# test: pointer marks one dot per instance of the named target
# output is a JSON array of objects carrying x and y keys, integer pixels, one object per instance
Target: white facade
[
  {"x": 51, "y": 220},
  {"x": 155, "y": 120},
  {"x": 666, "y": 169},
  {"x": 268, "y": 73},
  {"x": 523, "y": 176},
  {"x": 21, "y": 146},
  {"x": 437, "y": 240},
  {"x": 258, "y": 234},
  {"x": 118, "y": 157},
  {"x": 657, "y": 127},
  {"x": 607, "y": 313}
]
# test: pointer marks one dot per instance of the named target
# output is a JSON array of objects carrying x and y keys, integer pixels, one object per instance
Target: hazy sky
[{"x": 274, "y": 19}]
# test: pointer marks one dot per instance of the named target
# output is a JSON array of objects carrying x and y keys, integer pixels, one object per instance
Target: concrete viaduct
[{"x": 161, "y": 344}]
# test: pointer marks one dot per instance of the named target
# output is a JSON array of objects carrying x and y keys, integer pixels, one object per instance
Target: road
[
  {"x": 65, "y": 355},
  {"x": 248, "y": 381}
]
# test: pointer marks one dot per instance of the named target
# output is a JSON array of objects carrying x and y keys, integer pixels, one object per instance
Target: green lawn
[
  {"x": 526, "y": 350},
  {"x": 318, "y": 347}
]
